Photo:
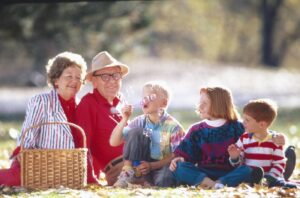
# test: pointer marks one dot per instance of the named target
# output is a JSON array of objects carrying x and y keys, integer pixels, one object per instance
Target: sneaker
[
  {"x": 290, "y": 154},
  {"x": 219, "y": 186},
  {"x": 125, "y": 177},
  {"x": 256, "y": 175}
]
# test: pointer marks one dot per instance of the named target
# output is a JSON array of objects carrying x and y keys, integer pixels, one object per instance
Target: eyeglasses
[
  {"x": 148, "y": 99},
  {"x": 107, "y": 77},
  {"x": 70, "y": 78}
]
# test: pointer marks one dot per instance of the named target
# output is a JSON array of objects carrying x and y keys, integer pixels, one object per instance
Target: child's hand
[
  {"x": 173, "y": 164},
  {"x": 127, "y": 111},
  {"x": 144, "y": 167},
  {"x": 279, "y": 139},
  {"x": 234, "y": 151}
]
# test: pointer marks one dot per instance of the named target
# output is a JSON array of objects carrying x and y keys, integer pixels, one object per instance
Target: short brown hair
[
  {"x": 60, "y": 62},
  {"x": 261, "y": 110},
  {"x": 221, "y": 103}
]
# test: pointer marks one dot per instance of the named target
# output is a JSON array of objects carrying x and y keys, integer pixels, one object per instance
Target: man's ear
[{"x": 93, "y": 81}]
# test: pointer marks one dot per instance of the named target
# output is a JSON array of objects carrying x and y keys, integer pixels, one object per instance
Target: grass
[{"x": 288, "y": 122}]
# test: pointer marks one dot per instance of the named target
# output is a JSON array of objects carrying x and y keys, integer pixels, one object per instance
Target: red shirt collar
[
  {"x": 68, "y": 107},
  {"x": 70, "y": 102}
]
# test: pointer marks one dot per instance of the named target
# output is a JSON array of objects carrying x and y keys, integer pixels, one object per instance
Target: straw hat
[{"x": 105, "y": 60}]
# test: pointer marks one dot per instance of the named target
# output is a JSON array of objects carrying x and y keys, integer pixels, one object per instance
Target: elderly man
[{"x": 97, "y": 115}]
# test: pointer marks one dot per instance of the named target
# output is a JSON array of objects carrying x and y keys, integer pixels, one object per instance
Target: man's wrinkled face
[{"x": 108, "y": 82}]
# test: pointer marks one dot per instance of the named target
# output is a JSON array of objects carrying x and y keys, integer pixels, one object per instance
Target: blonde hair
[
  {"x": 160, "y": 88},
  {"x": 221, "y": 103},
  {"x": 60, "y": 62},
  {"x": 261, "y": 110}
]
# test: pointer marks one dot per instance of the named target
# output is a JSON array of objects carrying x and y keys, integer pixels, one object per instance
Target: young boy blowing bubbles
[
  {"x": 255, "y": 147},
  {"x": 150, "y": 138}
]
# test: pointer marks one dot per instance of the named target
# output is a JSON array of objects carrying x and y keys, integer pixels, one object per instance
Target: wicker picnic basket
[{"x": 53, "y": 168}]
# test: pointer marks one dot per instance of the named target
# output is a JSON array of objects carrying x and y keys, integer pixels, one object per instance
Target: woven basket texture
[{"x": 52, "y": 168}]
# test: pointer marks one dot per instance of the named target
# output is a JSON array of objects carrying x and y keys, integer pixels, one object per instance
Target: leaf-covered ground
[
  {"x": 137, "y": 191},
  {"x": 242, "y": 190}
]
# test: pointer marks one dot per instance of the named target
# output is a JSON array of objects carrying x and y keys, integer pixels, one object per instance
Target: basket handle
[{"x": 46, "y": 123}]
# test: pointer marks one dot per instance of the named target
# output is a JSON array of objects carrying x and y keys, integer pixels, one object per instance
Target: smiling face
[
  {"x": 204, "y": 106},
  {"x": 108, "y": 88},
  {"x": 69, "y": 82}
]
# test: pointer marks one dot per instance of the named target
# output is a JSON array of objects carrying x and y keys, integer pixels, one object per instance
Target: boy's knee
[
  {"x": 165, "y": 181},
  {"x": 164, "y": 178}
]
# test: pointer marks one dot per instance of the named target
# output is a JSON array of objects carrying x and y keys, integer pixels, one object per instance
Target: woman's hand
[
  {"x": 144, "y": 167},
  {"x": 174, "y": 161}
]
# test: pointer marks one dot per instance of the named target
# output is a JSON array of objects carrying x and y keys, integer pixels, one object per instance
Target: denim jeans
[
  {"x": 137, "y": 147},
  {"x": 188, "y": 173}
]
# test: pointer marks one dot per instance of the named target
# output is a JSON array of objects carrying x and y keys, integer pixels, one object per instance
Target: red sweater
[{"x": 95, "y": 116}]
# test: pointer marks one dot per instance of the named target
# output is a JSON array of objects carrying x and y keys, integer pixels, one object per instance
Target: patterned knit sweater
[{"x": 206, "y": 145}]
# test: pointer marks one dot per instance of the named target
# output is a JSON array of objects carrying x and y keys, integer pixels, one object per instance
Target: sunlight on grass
[
  {"x": 287, "y": 123},
  {"x": 242, "y": 190}
]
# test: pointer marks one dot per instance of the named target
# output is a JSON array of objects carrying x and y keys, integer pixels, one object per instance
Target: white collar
[{"x": 215, "y": 123}]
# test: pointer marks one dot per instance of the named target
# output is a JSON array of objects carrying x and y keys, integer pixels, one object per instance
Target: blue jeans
[
  {"x": 137, "y": 147},
  {"x": 188, "y": 173}
]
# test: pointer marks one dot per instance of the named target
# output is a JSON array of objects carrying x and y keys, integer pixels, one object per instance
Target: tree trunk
[{"x": 269, "y": 13}]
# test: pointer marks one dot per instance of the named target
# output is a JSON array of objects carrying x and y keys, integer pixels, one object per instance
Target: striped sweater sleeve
[
  {"x": 278, "y": 162},
  {"x": 33, "y": 116}
]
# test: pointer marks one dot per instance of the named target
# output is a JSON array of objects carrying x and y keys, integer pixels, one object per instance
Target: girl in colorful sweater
[{"x": 202, "y": 157}]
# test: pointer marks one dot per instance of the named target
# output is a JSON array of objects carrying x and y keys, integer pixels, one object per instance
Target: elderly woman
[{"x": 65, "y": 73}]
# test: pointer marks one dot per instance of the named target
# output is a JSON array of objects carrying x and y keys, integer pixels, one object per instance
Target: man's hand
[{"x": 173, "y": 164}]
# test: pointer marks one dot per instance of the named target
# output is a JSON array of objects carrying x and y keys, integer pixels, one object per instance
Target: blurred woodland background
[
  {"x": 252, "y": 47},
  {"x": 249, "y": 33}
]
